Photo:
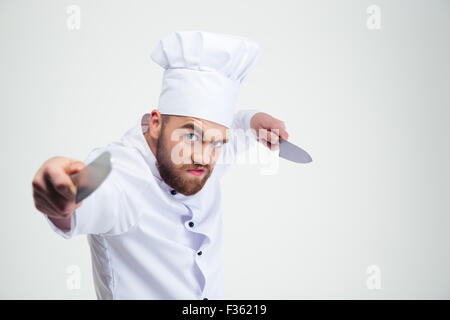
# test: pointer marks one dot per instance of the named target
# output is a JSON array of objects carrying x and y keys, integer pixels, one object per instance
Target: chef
[{"x": 154, "y": 226}]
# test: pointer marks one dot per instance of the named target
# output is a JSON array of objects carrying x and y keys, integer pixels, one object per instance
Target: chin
[
  {"x": 191, "y": 188},
  {"x": 191, "y": 192}
]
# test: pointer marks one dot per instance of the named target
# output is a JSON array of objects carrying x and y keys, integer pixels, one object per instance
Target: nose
[{"x": 202, "y": 155}]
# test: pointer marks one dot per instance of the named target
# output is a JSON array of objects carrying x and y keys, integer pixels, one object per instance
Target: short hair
[{"x": 164, "y": 119}]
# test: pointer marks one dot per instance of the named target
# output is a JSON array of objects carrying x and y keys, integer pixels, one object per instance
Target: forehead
[{"x": 179, "y": 121}]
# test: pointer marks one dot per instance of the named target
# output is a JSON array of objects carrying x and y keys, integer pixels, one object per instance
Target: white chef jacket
[{"x": 146, "y": 240}]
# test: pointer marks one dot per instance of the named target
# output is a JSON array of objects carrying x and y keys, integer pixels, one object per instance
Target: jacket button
[
  {"x": 173, "y": 192},
  {"x": 191, "y": 224},
  {"x": 199, "y": 253}
]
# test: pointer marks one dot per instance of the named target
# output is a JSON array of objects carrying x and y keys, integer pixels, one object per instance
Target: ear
[{"x": 155, "y": 124}]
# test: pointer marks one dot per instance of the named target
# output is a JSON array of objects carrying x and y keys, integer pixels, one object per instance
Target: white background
[{"x": 370, "y": 106}]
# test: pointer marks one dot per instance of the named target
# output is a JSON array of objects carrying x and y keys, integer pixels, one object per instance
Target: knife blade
[
  {"x": 293, "y": 153},
  {"x": 92, "y": 176}
]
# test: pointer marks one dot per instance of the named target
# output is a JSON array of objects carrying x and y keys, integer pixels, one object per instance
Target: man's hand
[
  {"x": 268, "y": 130},
  {"x": 53, "y": 190}
]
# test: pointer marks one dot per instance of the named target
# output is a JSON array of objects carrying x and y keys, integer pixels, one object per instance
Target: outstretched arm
[{"x": 54, "y": 195}]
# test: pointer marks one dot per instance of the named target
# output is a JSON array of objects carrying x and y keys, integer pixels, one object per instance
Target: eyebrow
[
  {"x": 192, "y": 126},
  {"x": 197, "y": 129}
]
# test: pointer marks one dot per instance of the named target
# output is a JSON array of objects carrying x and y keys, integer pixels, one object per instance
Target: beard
[{"x": 178, "y": 177}]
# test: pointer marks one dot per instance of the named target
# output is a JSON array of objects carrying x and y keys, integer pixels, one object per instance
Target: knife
[
  {"x": 293, "y": 153},
  {"x": 91, "y": 177}
]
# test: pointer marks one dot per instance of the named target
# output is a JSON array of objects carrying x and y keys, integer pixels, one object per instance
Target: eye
[
  {"x": 217, "y": 144},
  {"x": 191, "y": 137}
]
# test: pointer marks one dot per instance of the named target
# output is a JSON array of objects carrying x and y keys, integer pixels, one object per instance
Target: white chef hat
[{"x": 203, "y": 73}]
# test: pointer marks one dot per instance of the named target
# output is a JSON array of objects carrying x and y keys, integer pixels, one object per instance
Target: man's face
[{"x": 187, "y": 150}]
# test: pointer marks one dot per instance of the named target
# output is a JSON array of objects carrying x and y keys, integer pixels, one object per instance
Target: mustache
[{"x": 197, "y": 167}]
